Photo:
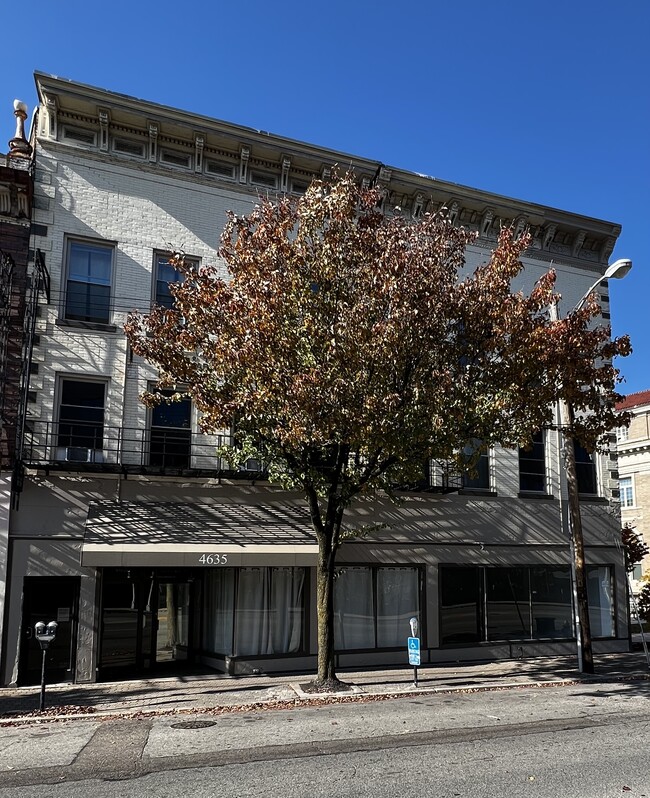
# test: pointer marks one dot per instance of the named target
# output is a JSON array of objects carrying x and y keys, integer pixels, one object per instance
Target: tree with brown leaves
[{"x": 348, "y": 346}]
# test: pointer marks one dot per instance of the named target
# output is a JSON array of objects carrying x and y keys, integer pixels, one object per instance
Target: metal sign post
[
  {"x": 45, "y": 635},
  {"x": 414, "y": 649}
]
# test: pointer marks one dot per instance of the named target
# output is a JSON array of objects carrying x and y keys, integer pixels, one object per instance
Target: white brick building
[{"x": 148, "y": 551}]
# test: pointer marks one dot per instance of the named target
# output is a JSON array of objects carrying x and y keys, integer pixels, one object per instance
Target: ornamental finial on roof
[{"x": 19, "y": 147}]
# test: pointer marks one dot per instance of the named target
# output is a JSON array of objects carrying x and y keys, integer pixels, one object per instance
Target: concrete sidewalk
[{"x": 213, "y": 691}]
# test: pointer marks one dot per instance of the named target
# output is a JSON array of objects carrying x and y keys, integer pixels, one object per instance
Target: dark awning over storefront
[{"x": 197, "y": 535}]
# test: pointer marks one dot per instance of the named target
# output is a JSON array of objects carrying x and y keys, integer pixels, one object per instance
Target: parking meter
[{"x": 45, "y": 634}]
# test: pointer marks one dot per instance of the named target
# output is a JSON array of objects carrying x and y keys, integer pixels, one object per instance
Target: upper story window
[
  {"x": 80, "y": 433},
  {"x": 622, "y": 434},
  {"x": 626, "y": 489},
  {"x": 532, "y": 466},
  {"x": 585, "y": 470},
  {"x": 129, "y": 147},
  {"x": 171, "y": 434},
  {"x": 480, "y": 478},
  {"x": 79, "y": 135},
  {"x": 88, "y": 287},
  {"x": 264, "y": 179},
  {"x": 220, "y": 169},
  {"x": 176, "y": 158},
  {"x": 165, "y": 274}
]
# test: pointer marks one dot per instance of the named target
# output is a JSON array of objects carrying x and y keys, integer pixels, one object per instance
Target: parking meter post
[
  {"x": 41, "y": 703},
  {"x": 45, "y": 635}
]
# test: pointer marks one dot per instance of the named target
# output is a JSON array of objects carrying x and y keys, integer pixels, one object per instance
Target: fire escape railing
[
  {"x": 6, "y": 288},
  {"x": 38, "y": 287}
]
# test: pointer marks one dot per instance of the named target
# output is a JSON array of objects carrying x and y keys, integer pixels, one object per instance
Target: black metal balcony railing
[
  {"x": 86, "y": 446},
  {"x": 75, "y": 445}
]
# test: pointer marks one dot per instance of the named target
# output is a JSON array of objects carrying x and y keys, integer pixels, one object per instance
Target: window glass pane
[
  {"x": 479, "y": 478},
  {"x": 585, "y": 470},
  {"x": 171, "y": 434},
  {"x": 90, "y": 263},
  {"x": 81, "y": 414},
  {"x": 218, "y": 614},
  {"x": 176, "y": 414},
  {"x": 551, "y": 602},
  {"x": 252, "y": 619},
  {"x": 269, "y": 611},
  {"x": 601, "y": 600},
  {"x": 88, "y": 302},
  {"x": 120, "y": 600},
  {"x": 507, "y": 606},
  {"x": 532, "y": 466},
  {"x": 626, "y": 492},
  {"x": 287, "y": 611},
  {"x": 397, "y": 601},
  {"x": 459, "y": 605},
  {"x": 165, "y": 274},
  {"x": 354, "y": 612},
  {"x": 88, "y": 289}
]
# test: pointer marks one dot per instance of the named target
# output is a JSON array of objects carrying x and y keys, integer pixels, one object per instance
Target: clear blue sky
[{"x": 548, "y": 102}]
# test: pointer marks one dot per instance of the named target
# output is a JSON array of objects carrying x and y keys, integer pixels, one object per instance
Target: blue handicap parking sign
[{"x": 414, "y": 650}]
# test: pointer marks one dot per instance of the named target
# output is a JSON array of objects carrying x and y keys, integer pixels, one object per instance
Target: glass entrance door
[
  {"x": 172, "y": 621},
  {"x": 146, "y": 620}
]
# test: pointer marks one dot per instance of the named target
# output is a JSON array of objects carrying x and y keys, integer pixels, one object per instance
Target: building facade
[
  {"x": 633, "y": 445},
  {"x": 146, "y": 548}
]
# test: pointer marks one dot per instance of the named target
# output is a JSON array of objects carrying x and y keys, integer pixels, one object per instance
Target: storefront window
[
  {"x": 460, "y": 593},
  {"x": 254, "y": 611},
  {"x": 507, "y": 606},
  {"x": 354, "y": 609},
  {"x": 479, "y": 604},
  {"x": 551, "y": 602},
  {"x": 372, "y": 606},
  {"x": 601, "y": 602}
]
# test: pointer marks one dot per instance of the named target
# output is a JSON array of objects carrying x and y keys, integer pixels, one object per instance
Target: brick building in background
[
  {"x": 16, "y": 192},
  {"x": 147, "y": 549},
  {"x": 633, "y": 445}
]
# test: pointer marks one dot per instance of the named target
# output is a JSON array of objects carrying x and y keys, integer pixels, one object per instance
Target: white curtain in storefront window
[
  {"x": 269, "y": 611},
  {"x": 397, "y": 601},
  {"x": 354, "y": 612},
  {"x": 219, "y": 609}
]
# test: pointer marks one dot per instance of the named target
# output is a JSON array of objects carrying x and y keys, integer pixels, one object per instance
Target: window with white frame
[
  {"x": 88, "y": 283},
  {"x": 165, "y": 275},
  {"x": 80, "y": 429},
  {"x": 626, "y": 489},
  {"x": 621, "y": 434},
  {"x": 477, "y": 478}
]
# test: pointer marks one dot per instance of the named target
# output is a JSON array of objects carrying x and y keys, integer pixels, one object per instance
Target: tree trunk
[{"x": 326, "y": 676}]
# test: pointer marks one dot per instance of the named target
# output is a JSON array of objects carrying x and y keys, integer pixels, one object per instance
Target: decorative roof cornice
[{"x": 558, "y": 235}]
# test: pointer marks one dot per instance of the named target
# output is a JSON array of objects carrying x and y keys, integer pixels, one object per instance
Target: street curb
[{"x": 356, "y": 695}]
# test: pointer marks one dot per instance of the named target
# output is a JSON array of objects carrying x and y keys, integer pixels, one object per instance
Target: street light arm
[{"x": 617, "y": 270}]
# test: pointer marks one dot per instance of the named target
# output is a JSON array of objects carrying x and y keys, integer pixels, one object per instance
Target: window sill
[
  {"x": 589, "y": 498},
  {"x": 93, "y": 326},
  {"x": 476, "y": 492},
  {"x": 529, "y": 494}
]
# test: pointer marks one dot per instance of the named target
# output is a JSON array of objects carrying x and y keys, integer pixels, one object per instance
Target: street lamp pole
[{"x": 617, "y": 270}]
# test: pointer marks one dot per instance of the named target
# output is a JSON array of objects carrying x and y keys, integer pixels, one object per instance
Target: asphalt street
[{"x": 580, "y": 741}]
